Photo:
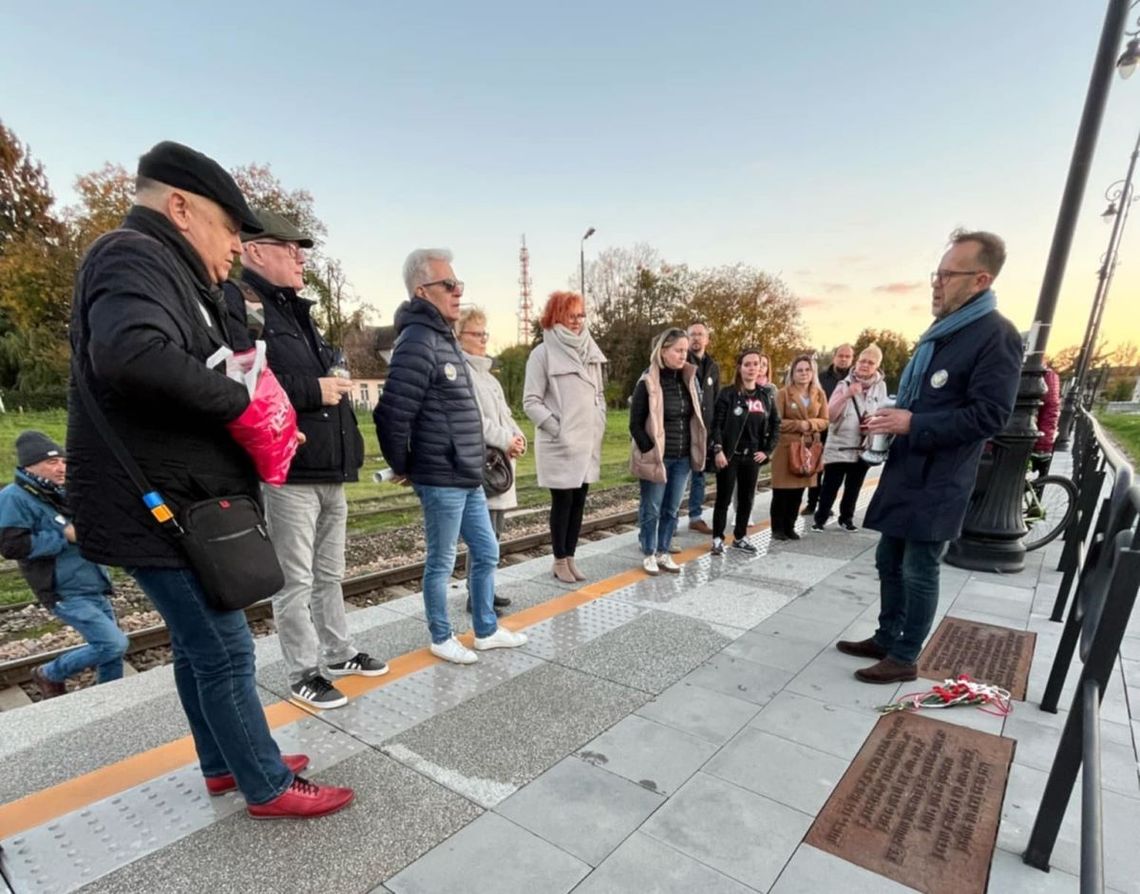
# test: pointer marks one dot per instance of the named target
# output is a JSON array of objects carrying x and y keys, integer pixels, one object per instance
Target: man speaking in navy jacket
[{"x": 957, "y": 391}]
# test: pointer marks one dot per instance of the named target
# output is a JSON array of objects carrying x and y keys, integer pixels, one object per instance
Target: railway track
[{"x": 18, "y": 671}]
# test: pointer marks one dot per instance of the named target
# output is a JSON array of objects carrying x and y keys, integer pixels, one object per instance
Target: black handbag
[
  {"x": 225, "y": 539},
  {"x": 498, "y": 476}
]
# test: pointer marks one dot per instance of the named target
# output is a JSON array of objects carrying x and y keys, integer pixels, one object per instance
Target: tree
[
  {"x": 1064, "y": 362},
  {"x": 896, "y": 349},
  {"x": 512, "y": 372},
  {"x": 263, "y": 190},
  {"x": 25, "y": 198},
  {"x": 746, "y": 307},
  {"x": 105, "y": 197}
]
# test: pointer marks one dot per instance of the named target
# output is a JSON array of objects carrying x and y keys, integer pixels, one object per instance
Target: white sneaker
[
  {"x": 500, "y": 639},
  {"x": 650, "y": 565},
  {"x": 454, "y": 651},
  {"x": 665, "y": 563}
]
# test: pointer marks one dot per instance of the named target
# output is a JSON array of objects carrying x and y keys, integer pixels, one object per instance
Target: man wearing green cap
[{"x": 308, "y": 514}]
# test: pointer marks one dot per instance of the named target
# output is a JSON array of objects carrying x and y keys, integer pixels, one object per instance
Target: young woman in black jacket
[{"x": 744, "y": 433}]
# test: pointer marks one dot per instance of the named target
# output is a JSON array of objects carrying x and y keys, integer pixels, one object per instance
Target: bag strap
[{"x": 151, "y": 498}]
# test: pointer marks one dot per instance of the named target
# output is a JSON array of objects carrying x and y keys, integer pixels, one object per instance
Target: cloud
[
  {"x": 808, "y": 301},
  {"x": 835, "y": 287},
  {"x": 803, "y": 273},
  {"x": 898, "y": 288},
  {"x": 853, "y": 260}
]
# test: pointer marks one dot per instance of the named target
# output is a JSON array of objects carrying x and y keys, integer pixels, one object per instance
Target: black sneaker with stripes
[
  {"x": 317, "y": 692},
  {"x": 360, "y": 665}
]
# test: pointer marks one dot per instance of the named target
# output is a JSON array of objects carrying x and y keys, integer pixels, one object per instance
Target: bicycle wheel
[{"x": 1050, "y": 503}]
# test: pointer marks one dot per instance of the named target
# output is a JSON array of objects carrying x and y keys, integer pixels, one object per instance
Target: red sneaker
[
  {"x": 302, "y": 800},
  {"x": 219, "y": 785}
]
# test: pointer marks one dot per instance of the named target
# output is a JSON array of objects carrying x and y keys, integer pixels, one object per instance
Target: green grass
[
  {"x": 52, "y": 423},
  {"x": 1125, "y": 428}
]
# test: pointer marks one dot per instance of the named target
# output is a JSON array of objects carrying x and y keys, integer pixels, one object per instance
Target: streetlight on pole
[
  {"x": 582, "y": 262},
  {"x": 1120, "y": 197},
  {"x": 992, "y": 533}
]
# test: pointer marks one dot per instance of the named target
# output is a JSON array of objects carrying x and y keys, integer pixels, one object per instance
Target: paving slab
[
  {"x": 650, "y": 652},
  {"x": 727, "y": 601},
  {"x": 805, "y": 778},
  {"x": 397, "y": 816},
  {"x": 708, "y": 715},
  {"x": 490, "y": 745},
  {"x": 741, "y": 834},
  {"x": 659, "y": 758},
  {"x": 596, "y": 810},
  {"x": 812, "y": 871},
  {"x": 774, "y": 651},
  {"x": 831, "y": 678},
  {"x": 647, "y": 866},
  {"x": 740, "y": 678},
  {"x": 491, "y": 856},
  {"x": 834, "y": 729}
]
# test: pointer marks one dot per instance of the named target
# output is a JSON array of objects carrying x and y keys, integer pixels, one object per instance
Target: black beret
[{"x": 185, "y": 168}]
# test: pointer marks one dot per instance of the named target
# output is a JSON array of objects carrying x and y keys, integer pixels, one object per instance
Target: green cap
[{"x": 277, "y": 226}]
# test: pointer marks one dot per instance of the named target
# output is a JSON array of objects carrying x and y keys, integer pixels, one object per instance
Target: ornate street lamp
[{"x": 992, "y": 534}]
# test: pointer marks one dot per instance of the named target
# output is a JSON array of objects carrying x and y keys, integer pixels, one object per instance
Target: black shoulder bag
[{"x": 224, "y": 538}]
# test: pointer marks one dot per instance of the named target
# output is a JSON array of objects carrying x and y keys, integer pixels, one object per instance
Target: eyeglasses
[
  {"x": 940, "y": 276},
  {"x": 482, "y": 336},
  {"x": 452, "y": 285},
  {"x": 294, "y": 251},
  {"x": 577, "y": 318}
]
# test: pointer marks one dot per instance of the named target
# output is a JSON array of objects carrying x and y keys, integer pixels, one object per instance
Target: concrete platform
[{"x": 677, "y": 733}]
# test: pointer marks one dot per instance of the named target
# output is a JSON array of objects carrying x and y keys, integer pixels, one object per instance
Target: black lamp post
[
  {"x": 1120, "y": 197},
  {"x": 582, "y": 261},
  {"x": 992, "y": 534}
]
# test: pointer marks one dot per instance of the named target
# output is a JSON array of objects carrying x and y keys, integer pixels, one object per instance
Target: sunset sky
[{"x": 833, "y": 143}]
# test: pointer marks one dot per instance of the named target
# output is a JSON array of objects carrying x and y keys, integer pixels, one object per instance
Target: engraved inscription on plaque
[
  {"x": 990, "y": 654},
  {"x": 920, "y": 804}
]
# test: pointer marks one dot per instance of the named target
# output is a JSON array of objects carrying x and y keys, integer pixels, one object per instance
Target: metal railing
[{"x": 1102, "y": 557}]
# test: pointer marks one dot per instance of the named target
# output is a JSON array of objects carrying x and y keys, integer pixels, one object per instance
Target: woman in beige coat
[
  {"x": 564, "y": 396},
  {"x": 802, "y": 405}
]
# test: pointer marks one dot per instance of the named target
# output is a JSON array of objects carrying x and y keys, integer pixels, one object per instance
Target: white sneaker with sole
[
  {"x": 454, "y": 651},
  {"x": 650, "y": 565},
  {"x": 500, "y": 639},
  {"x": 665, "y": 563}
]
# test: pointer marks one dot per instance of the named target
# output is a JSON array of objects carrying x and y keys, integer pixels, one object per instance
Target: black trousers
[
  {"x": 566, "y": 508},
  {"x": 785, "y": 508},
  {"x": 741, "y": 473},
  {"x": 850, "y": 477}
]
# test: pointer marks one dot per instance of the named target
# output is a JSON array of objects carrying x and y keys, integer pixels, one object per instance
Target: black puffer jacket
[
  {"x": 298, "y": 355},
  {"x": 144, "y": 318},
  {"x": 428, "y": 420}
]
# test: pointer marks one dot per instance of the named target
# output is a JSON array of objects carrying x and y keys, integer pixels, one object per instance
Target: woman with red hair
[{"x": 564, "y": 396}]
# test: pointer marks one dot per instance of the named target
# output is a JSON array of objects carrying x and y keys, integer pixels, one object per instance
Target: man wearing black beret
[{"x": 147, "y": 313}]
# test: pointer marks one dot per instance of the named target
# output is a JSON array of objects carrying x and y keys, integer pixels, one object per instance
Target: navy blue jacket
[
  {"x": 31, "y": 532},
  {"x": 427, "y": 419},
  {"x": 967, "y": 397},
  {"x": 298, "y": 355}
]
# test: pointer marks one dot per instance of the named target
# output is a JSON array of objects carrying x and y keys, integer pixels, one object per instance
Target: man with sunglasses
[
  {"x": 431, "y": 434},
  {"x": 308, "y": 514},
  {"x": 957, "y": 391}
]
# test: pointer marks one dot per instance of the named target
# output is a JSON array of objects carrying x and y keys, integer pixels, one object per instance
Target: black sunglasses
[{"x": 452, "y": 285}]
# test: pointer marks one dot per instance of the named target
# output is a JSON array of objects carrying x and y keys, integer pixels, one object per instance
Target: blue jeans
[
  {"x": 696, "y": 494},
  {"x": 657, "y": 514},
  {"x": 908, "y": 594},
  {"x": 93, "y": 618},
  {"x": 213, "y": 671},
  {"x": 448, "y": 513}
]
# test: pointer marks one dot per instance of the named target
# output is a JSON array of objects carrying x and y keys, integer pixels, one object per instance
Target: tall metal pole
[
  {"x": 992, "y": 534},
  {"x": 1075, "y": 394},
  {"x": 582, "y": 263}
]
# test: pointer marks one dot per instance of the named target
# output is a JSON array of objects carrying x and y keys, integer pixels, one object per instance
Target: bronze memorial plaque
[
  {"x": 920, "y": 804},
  {"x": 990, "y": 654}
]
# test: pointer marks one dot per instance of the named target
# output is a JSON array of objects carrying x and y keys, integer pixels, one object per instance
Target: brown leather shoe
[
  {"x": 700, "y": 526},
  {"x": 864, "y": 648},
  {"x": 48, "y": 688},
  {"x": 887, "y": 671}
]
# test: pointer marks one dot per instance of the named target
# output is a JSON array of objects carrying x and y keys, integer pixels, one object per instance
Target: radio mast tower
[{"x": 524, "y": 294}]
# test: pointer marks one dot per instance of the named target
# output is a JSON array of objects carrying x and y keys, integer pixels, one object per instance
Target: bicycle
[{"x": 1048, "y": 505}]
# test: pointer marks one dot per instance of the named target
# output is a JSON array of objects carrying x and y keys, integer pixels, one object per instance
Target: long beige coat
[
  {"x": 565, "y": 399},
  {"x": 499, "y": 426},
  {"x": 792, "y": 414}
]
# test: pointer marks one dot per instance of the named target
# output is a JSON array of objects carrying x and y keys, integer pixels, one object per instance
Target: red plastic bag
[{"x": 268, "y": 427}]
